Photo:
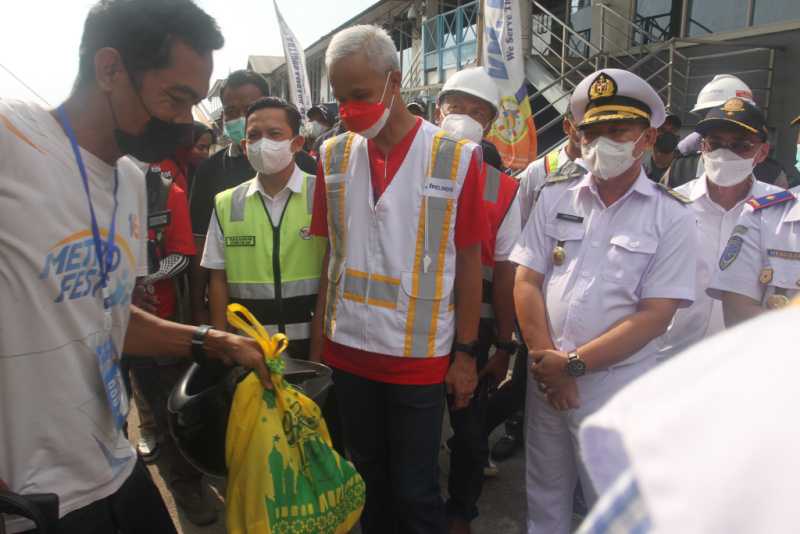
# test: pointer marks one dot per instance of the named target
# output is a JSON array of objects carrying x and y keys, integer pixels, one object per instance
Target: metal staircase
[{"x": 560, "y": 57}]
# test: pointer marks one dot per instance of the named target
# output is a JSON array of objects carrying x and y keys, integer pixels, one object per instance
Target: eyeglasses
[{"x": 738, "y": 147}]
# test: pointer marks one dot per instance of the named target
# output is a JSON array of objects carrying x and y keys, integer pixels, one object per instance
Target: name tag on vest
[
  {"x": 240, "y": 241},
  {"x": 438, "y": 187}
]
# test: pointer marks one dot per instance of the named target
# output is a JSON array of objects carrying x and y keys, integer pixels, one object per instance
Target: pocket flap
[
  {"x": 426, "y": 285},
  {"x": 567, "y": 231},
  {"x": 635, "y": 243}
]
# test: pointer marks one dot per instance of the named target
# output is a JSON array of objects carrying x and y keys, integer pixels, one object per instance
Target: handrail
[{"x": 565, "y": 26}]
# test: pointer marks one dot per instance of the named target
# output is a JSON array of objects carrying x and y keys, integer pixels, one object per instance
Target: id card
[{"x": 108, "y": 361}]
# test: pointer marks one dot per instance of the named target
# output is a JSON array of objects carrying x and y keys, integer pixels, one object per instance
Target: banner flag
[
  {"x": 514, "y": 132},
  {"x": 299, "y": 89}
]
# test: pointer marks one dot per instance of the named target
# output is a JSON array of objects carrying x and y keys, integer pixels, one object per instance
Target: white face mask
[
  {"x": 608, "y": 159},
  {"x": 725, "y": 169},
  {"x": 315, "y": 129},
  {"x": 268, "y": 156},
  {"x": 463, "y": 127}
]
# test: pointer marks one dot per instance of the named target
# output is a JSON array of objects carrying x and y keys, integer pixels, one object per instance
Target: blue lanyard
[{"x": 104, "y": 261}]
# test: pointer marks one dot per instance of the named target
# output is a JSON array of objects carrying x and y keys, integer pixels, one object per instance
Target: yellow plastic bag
[{"x": 283, "y": 474}]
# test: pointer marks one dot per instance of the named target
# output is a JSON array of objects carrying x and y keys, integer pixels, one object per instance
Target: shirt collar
[
  {"x": 295, "y": 184},
  {"x": 642, "y": 185}
]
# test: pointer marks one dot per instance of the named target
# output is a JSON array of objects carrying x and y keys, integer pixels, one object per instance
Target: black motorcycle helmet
[{"x": 199, "y": 405}]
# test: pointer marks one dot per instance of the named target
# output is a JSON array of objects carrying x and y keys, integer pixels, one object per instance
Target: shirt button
[
  {"x": 634, "y": 244},
  {"x": 585, "y": 274}
]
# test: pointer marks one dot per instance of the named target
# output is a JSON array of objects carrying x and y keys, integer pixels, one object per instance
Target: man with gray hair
[{"x": 400, "y": 289}]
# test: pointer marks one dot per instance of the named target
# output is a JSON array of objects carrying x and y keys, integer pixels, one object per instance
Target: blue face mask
[{"x": 235, "y": 129}]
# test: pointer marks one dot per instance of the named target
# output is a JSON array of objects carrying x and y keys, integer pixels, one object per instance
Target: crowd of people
[{"x": 395, "y": 249}]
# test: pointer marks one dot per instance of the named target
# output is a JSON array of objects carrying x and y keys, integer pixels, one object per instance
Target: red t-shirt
[
  {"x": 471, "y": 228},
  {"x": 178, "y": 239}
]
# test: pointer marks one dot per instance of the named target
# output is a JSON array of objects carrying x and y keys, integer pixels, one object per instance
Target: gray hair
[{"x": 373, "y": 41}]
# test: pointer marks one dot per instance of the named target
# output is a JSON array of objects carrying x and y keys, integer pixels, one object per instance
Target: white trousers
[{"x": 553, "y": 461}]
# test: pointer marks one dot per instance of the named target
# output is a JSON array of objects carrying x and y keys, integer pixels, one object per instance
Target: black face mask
[{"x": 159, "y": 140}]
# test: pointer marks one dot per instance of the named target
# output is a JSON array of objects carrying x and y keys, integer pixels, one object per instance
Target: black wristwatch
[
  {"x": 575, "y": 365},
  {"x": 198, "y": 340},
  {"x": 508, "y": 346},
  {"x": 470, "y": 348}
]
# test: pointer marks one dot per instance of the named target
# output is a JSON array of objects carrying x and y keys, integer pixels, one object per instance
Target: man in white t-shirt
[{"x": 72, "y": 231}]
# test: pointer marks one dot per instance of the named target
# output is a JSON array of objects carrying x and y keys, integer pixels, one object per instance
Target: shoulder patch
[
  {"x": 680, "y": 197},
  {"x": 568, "y": 171},
  {"x": 770, "y": 200}
]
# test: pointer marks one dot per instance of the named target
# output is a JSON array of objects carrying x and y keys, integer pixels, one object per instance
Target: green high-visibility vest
[{"x": 272, "y": 267}]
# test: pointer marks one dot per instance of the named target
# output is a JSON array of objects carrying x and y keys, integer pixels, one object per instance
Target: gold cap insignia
[
  {"x": 603, "y": 86},
  {"x": 733, "y": 105}
]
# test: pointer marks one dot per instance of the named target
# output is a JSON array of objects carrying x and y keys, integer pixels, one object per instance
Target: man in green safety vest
[{"x": 258, "y": 247}]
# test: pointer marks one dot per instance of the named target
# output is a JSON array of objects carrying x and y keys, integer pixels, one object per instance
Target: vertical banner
[
  {"x": 514, "y": 132},
  {"x": 299, "y": 90}
]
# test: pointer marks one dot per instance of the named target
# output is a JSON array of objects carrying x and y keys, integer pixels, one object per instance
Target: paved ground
[{"x": 502, "y": 504}]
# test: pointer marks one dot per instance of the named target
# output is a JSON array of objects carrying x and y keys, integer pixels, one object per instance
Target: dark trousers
[
  {"x": 510, "y": 397},
  {"x": 154, "y": 383},
  {"x": 393, "y": 434},
  {"x": 469, "y": 446},
  {"x": 136, "y": 508}
]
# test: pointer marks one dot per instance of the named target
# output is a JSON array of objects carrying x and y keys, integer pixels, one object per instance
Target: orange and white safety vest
[{"x": 392, "y": 264}]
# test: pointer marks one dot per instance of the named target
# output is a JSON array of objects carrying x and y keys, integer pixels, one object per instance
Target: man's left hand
[
  {"x": 461, "y": 379},
  {"x": 549, "y": 367}
]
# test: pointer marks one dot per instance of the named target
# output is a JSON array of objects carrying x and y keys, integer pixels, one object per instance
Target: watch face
[{"x": 576, "y": 367}]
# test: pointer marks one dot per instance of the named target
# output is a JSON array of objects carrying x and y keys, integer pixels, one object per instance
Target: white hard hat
[
  {"x": 473, "y": 81},
  {"x": 719, "y": 90}
]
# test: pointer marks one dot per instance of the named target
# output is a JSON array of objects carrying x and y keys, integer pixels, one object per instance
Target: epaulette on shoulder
[
  {"x": 770, "y": 200},
  {"x": 680, "y": 197},
  {"x": 568, "y": 171}
]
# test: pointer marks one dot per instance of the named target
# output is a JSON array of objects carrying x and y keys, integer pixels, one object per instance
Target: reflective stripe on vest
[
  {"x": 266, "y": 291},
  {"x": 434, "y": 223},
  {"x": 491, "y": 186},
  {"x": 337, "y": 159},
  {"x": 374, "y": 289},
  {"x": 292, "y": 330}
]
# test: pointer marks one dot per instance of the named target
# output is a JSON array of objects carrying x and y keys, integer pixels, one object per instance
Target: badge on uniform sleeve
[
  {"x": 766, "y": 275},
  {"x": 731, "y": 251},
  {"x": 559, "y": 253}
]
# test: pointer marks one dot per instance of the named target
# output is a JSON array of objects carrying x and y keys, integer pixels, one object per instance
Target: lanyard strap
[{"x": 104, "y": 260}]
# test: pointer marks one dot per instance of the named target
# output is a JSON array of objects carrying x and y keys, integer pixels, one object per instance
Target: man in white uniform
[
  {"x": 734, "y": 141},
  {"x": 760, "y": 267},
  {"x": 73, "y": 226},
  {"x": 602, "y": 270}
]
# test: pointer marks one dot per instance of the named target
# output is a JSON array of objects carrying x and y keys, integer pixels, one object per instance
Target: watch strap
[
  {"x": 198, "y": 340},
  {"x": 470, "y": 348}
]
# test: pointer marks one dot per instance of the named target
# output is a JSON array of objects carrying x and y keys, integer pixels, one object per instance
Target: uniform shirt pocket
[
  {"x": 571, "y": 235},
  {"x": 628, "y": 257}
]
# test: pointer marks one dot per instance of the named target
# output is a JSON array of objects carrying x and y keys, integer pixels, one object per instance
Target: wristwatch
[
  {"x": 470, "y": 348},
  {"x": 198, "y": 339},
  {"x": 575, "y": 365},
  {"x": 508, "y": 346}
]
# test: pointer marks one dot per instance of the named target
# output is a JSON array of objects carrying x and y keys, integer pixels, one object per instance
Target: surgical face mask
[
  {"x": 234, "y": 129},
  {"x": 268, "y": 156},
  {"x": 607, "y": 158},
  {"x": 367, "y": 118},
  {"x": 315, "y": 129},
  {"x": 463, "y": 127},
  {"x": 725, "y": 169}
]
